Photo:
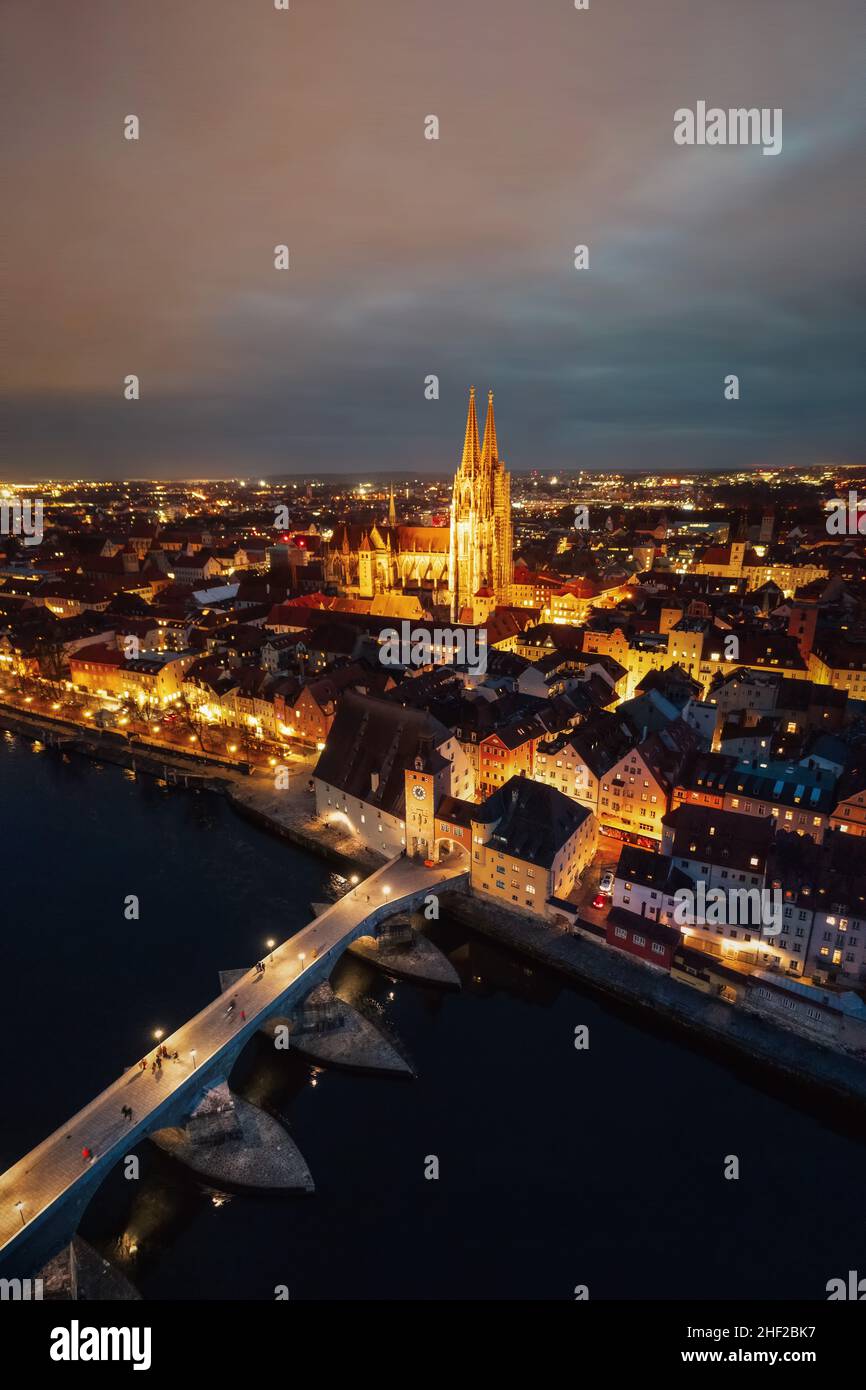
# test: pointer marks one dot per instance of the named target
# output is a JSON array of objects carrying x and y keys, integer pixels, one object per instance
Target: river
[{"x": 558, "y": 1167}]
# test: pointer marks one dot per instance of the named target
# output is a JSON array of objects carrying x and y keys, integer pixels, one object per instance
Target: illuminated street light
[
  {"x": 385, "y": 889},
  {"x": 193, "y": 1055},
  {"x": 158, "y": 1033},
  {"x": 19, "y": 1207}
]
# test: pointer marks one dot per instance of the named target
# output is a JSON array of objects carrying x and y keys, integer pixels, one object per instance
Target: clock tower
[{"x": 420, "y": 810}]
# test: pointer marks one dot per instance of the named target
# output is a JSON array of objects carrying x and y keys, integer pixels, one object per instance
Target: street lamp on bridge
[{"x": 19, "y": 1207}]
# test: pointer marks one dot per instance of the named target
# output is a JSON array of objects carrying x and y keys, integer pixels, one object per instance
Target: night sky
[{"x": 412, "y": 256}]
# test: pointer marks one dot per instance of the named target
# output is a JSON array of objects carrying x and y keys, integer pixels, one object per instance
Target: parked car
[
  {"x": 599, "y": 900},
  {"x": 606, "y": 883}
]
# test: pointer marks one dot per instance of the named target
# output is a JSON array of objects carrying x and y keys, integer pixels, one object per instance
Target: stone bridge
[{"x": 43, "y": 1196}]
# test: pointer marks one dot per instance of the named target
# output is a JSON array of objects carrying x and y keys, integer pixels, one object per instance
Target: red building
[{"x": 642, "y": 937}]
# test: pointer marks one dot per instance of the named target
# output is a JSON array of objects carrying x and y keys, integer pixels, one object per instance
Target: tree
[{"x": 192, "y": 719}]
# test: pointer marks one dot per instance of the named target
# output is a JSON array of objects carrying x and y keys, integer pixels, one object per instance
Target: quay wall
[{"x": 657, "y": 996}]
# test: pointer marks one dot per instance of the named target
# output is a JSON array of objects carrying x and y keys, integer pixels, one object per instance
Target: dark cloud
[{"x": 412, "y": 257}]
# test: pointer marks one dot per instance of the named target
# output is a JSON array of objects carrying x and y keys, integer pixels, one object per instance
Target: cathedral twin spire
[
  {"x": 488, "y": 455},
  {"x": 481, "y": 534}
]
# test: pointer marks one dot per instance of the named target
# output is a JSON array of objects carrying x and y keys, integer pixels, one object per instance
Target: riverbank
[
  {"x": 597, "y": 966},
  {"x": 290, "y": 815},
  {"x": 173, "y": 765},
  {"x": 657, "y": 996}
]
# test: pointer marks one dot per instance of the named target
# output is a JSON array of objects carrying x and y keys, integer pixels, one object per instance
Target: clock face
[{"x": 419, "y": 793}]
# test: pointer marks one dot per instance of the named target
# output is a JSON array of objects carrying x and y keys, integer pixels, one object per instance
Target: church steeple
[
  {"x": 469, "y": 462},
  {"x": 490, "y": 448},
  {"x": 392, "y": 510}
]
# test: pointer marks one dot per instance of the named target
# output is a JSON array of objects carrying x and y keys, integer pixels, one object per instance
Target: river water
[{"x": 557, "y": 1167}]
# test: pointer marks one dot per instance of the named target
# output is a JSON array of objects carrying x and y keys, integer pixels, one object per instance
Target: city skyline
[{"x": 433, "y": 671}]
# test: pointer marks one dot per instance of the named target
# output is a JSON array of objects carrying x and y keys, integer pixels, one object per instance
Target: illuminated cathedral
[
  {"x": 480, "y": 543},
  {"x": 465, "y": 569}
]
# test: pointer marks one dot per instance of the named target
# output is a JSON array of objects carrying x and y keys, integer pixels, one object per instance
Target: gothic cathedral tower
[{"x": 480, "y": 555}]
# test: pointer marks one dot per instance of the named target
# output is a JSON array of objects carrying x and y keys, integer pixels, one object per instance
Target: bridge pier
[
  {"x": 80, "y": 1273},
  {"x": 231, "y": 1142}
]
